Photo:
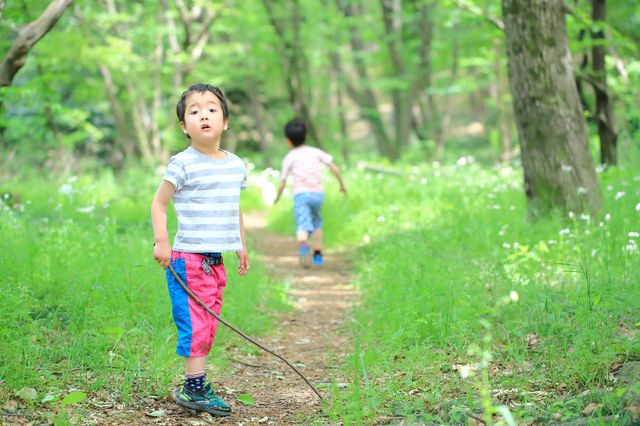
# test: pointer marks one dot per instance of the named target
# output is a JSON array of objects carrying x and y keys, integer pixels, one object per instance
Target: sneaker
[
  {"x": 317, "y": 259},
  {"x": 207, "y": 402},
  {"x": 303, "y": 255}
]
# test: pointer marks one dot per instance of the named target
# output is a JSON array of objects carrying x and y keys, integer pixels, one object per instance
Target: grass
[
  {"x": 468, "y": 307},
  {"x": 84, "y": 304}
]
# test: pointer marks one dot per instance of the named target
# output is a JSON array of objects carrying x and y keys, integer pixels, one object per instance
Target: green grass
[
  {"x": 85, "y": 305},
  {"x": 439, "y": 252}
]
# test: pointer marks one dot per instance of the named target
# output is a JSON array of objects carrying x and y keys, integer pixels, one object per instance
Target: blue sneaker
[
  {"x": 303, "y": 255},
  {"x": 317, "y": 259},
  {"x": 207, "y": 402}
]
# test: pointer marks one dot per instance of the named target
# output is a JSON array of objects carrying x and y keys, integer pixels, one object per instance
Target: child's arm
[
  {"x": 336, "y": 171},
  {"x": 283, "y": 183},
  {"x": 243, "y": 255},
  {"x": 161, "y": 248}
]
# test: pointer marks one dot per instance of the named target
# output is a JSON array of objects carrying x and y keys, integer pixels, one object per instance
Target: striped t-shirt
[
  {"x": 303, "y": 163},
  {"x": 207, "y": 201}
]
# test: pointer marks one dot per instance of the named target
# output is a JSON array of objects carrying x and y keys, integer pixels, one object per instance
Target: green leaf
[
  {"x": 48, "y": 398},
  {"x": 246, "y": 399},
  {"x": 27, "y": 394},
  {"x": 73, "y": 397}
]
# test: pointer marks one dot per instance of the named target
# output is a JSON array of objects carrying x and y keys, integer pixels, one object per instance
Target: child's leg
[
  {"x": 302, "y": 236},
  {"x": 317, "y": 240}
]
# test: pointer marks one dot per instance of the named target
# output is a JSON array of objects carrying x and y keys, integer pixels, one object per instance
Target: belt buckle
[{"x": 205, "y": 266}]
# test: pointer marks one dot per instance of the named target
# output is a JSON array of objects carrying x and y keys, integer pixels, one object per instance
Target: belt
[{"x": 210, "y": 259}]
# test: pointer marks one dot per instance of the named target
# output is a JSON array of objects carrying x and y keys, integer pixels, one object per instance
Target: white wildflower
[
  {"x": 585, "y": 217},
  {"x": 566, "y": 168},
  {"x": 87, "y": 209},
  {"x": 581, "y": 190},
  {"x": 424, "y": 181},
  {"x": 565, "y": 231},
  {"x": 620, "y": 194},
  {"x": 607, "y": 217},
  {"x": 551, "y": 242},
  {"x": 638, "y": 207},
  {"x": 465, "y": 371},
  {"x": 633, "y": 234},
  {"x": 631, "y": 246},
  {"x": 381, "y": 219},
  {"x": 461, "y": 161},
  {"x": 366, "y": 239},
  {"x": 435, "y": 164},
  {"x": 513, "y": 295},
  {"x": 600, "y": 168},
  {"x": 506, "y": 245},
  {"x": 609, "y": 187},
  {"x": 66, "y": 189},
  {"x": 572, "y": 215}
]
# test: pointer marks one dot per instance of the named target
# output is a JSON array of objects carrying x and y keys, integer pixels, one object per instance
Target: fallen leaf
[
  {"x": 634, "y": 410},
  {"x": 157, "y": 413},
  {"x": 246, "y": 399},
  {"x": 73, "y": 397},
  {"x": 27, "y": 394},
  {"x": 591, "y": 408},
  {"x": 11, "y": 405}
]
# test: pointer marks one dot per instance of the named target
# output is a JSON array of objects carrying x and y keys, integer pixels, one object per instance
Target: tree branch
[
  {"x": 470, "y": 7},
  {"x": 27, "y": 37}
]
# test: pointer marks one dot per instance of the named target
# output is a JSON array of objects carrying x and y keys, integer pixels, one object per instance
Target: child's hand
[
  {"x": 343, "y": 189},
  {"x": 243, "y": 259},
  {"x": 162, "y": 254}
]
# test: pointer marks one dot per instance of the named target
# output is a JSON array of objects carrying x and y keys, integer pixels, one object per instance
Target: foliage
[
  {"x": 84, "y": 304},
  {"x": 440, "y": 248}
]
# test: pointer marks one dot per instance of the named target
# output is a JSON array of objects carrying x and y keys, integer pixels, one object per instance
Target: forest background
[{"x": 516, "y": 232}]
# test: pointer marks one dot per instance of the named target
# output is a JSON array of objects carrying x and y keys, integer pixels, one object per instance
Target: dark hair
[
  {"x": 296, "y": 131},
  {"x": 201, "y": 88}
]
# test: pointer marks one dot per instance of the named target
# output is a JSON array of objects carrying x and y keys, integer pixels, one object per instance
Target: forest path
[{"x": 314, "y": 336}]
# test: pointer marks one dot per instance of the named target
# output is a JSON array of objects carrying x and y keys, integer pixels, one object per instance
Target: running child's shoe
[
  {"x": 303, "y": 255},
  {"x": 317, "y": 259},
  {"x": 207, "y": 402}
]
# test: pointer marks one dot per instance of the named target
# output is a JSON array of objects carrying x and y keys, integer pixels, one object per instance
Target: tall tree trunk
[
  {"x": 604, "y": 113},
  {"x": 294, "y": 60},
  {"x": 558, "y": 168},
  {"x": 504, "y": 124},
  {"x": 365, "y": 98}
]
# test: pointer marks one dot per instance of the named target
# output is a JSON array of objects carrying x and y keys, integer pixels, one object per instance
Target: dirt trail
[{"x": 314, "y": 337}]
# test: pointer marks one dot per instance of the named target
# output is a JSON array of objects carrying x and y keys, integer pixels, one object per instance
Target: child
[
  {"x": 303, "y": 163},
  {"x": 204, "y": 182}
]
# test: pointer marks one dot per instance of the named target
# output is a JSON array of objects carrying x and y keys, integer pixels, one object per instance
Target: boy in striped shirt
[
  {"x": 303, "y": 163},
  {"x": 204, "y": 182}
]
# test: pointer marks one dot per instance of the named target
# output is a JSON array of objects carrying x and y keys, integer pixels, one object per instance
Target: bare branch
[{"x": 470, "y": 7}]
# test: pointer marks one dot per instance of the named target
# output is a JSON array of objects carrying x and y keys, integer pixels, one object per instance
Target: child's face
[{"x": 203, "y": 117}]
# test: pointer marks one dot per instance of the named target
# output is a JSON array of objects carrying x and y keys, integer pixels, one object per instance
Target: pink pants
[{"x": 196, "y": 327}]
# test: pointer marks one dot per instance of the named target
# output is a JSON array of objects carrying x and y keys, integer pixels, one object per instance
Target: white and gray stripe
[{"x": 207, "y": 201}]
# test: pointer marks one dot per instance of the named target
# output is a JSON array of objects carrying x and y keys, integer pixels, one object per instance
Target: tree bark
[
  {"x": 294, "y": 63},
  {"x": 365, "y": 98},
  {"x": 558, "y": 168},
  {"x": 604, "y": 113},
  {"x": 27, "y": 37}
]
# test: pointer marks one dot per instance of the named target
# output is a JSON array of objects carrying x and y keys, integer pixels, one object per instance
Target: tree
[
  {"x": 558, "y": 168},
  {"x": 27, "y": 37},
  {"x": 604, "y": 112}
]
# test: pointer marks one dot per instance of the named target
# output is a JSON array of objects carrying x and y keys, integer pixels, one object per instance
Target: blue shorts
[{"x": 306, "y": 209}]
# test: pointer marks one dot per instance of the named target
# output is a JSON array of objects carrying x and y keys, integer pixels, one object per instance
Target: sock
[
  {"x": 317, "y": 252},
  {"x": 194, "y": 383}
]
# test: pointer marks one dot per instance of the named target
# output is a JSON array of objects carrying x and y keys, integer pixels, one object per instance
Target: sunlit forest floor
[{"x": 465, "y": 306}]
